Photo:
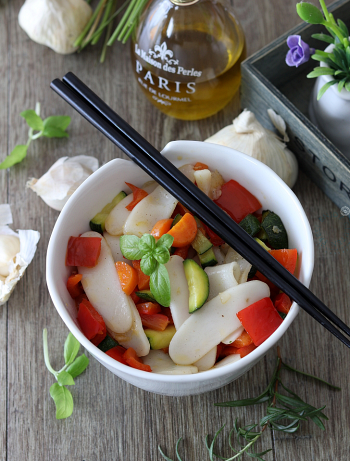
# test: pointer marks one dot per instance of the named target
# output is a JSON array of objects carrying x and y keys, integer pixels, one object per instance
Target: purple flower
[{"x": 299, "y": 52}]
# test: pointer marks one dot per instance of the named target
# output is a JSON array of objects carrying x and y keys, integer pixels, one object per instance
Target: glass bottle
[{"x": 186, "y": 56}]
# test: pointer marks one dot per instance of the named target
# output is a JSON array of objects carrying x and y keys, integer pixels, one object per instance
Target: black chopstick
[{"x": 148, "y": 158}]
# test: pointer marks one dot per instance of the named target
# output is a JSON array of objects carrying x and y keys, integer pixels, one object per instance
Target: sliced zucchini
[
  {"x": 262, "y": 244},
  {"x": 276, "y": 233},
  {"x": 200, "y": 243},
  {"x": 107, "y": 344},
  {"x": 146, "y": 295},
  {"x": 97, "y": 223},
  {"x": 251, "y": 225},
  {"x": 208, "y": 258},
  {"x": 253, "y": 269},
  {"x": 176, "y": 220},
  {"x": 198, "y": 284},
  {"x": 160, "y": 339}
]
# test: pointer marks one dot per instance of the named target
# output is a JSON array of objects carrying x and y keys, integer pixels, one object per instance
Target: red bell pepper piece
[
  {"x": 91, "y": 322},
  {"x": 74, "y": 286},
  {"x": 183, "y": 251},
  {"x": 242, "y": 341},
  {"x": 166, "y": 311},
  {"x": 83, "y": 251},
  {"x": 149, "y": 308},
  {"x": 133, "y": 361},
  {"x": 134, "y": 296},
  {"x": 143, "y": 279},
  {"x": 288, "y": 258},
  {"x": 214, "y": 238},
  {"x": 283, "y": 303},
  {"x": 157, "y": 322},
  {"x": 138, "y": 195},
  {"x": 242, "y": 351},
  {"x": 117, "y": 353},
  {"x": 237, "y": 201},
  {"x": 260, "y": 320},
  {"x": 180, "y": 209}
]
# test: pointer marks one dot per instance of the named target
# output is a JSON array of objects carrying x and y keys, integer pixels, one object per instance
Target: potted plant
[{"x": 329, "y": 107}]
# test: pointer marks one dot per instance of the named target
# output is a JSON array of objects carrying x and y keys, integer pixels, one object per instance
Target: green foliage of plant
[
  {"x": 338, "y": 60},
  {"x": 65, "y": 377},
  {"x": 284, "y": 413},
  {"x": 52, "y": 127}
]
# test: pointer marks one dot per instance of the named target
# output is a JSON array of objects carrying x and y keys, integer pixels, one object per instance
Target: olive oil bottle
[{"x": 186, "y": 56}]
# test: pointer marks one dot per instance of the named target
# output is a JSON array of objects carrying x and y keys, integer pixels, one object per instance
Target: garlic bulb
[
  {"x": 247, "y": 135},
  {"x": 62, "y": 179},
  {"x": 55, "y": 23},
  {"x": 16, "y": 253}
]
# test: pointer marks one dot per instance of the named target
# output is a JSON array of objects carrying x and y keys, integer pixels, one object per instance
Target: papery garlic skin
[
  {"x": 55, "y": 23},
  {"x": 25, "y": 241},
  {"x": 62, "y": 179},
  {"x": 248, "y": 136}
]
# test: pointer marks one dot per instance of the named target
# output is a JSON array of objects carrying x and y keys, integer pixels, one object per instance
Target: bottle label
[{"x": 165, "y": 90}]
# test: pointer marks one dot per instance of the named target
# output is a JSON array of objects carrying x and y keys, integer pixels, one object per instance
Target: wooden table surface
[{"x": 113, "y": 420}]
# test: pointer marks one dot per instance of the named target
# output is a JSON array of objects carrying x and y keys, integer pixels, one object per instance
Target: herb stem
[
  {"x": 46, "y": 354},
  {"x": 288, "y": 367},
  {"x": 324, "y": 9}
]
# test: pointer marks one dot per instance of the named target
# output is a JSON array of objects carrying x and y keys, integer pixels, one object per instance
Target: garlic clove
[
  {"x": 248, "y": 136},
  {"x": 55, "y": 23},
  {"x": 62, "y": 179},
  {"x": 16, "y": 253}
]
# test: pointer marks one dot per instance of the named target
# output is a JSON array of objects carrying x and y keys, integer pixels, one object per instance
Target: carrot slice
[
  {"x": 184, "y": 231},
  {"x": 242, "y": 341},
  {"x": 138, "y": 195},
  {"x": 161, "y": 227},
  {"x": 157, "y": 322},
  {"x": 200, "y": 166},
  {"x": 143, "y": 279},
  {"x": 74, "y": 286},
  {"x": 242, "y": 351},
  {"x": 127, "y": 276},
  {"x": 149, "y": 308}
]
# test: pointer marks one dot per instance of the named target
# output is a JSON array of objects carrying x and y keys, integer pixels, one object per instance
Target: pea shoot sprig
[
  {"x": 153, "y": 255},
  {"x": 52, "y": 127},
  {"x": 65, "y": 376},
  {"x": 284, "y": 413}
]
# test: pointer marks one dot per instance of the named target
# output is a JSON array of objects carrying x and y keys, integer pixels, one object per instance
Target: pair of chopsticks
[{"x": 100, "y": 115}]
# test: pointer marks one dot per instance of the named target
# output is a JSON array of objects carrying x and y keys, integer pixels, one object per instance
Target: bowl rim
[{"x": 234, "y": 368}]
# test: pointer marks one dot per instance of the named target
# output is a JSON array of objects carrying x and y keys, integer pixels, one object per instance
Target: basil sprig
[
  {"x": 153, "y": 255},
  {"x": 52, "y": 127},
  {"x": 65, "y": 377}
]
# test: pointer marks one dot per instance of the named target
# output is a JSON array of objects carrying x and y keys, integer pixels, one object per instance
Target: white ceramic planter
[{"x": 331, "y": 114}]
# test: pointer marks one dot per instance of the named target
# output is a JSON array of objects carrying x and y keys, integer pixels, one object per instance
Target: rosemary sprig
[{"x": 284, "y": 413}]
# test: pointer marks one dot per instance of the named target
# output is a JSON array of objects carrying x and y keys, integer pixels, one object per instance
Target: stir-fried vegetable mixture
[{"x": 156, "y": 289}]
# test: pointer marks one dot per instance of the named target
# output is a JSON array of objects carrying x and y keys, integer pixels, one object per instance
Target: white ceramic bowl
[{"x": 101, "y": 187}]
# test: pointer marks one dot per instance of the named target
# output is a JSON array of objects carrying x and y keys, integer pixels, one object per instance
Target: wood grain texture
[{"x": 113, "y": 420}]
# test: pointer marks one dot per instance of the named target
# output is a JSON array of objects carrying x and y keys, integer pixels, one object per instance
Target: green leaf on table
[
  {"x": 63, "y": 400},
  {"x": 54, "y": 132},
  {"x": 160, "y": 285},
  {"x": 71, "y": 349},
  {"x": 310, "y": 13},
  {"x": 129, "y": 246},
  {"x": 16, "y": 156},
  {"x": 325, "y": 88},
  {"x": 78, "y": 366},
  {"x": 147, "y": 243},
  {"x": 323, "y": 37},
  {"x": 65, "y": 379},
  {"x": 161, "y": 254},
  {"x": 148, "y": 264},
  {"x": 57, "y": 121},
  {"x": 166, "y": 241},
  {"x": 33, "y": 120}
]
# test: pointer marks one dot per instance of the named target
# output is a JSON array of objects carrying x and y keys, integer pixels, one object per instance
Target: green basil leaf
[
  {"x": 310, "y": 13},
  {"x": 16, "y": 156},
  {"x": 33, "y": 120},
  {"x": 161, "y": 254},
  {"x": 147, "y": 243},
  {"x": 78, "y": 366},
  {"x": 65, "y": 379},
  {"x": 53, "y": 132},
  {"x": 166, "y": 241},
  {"x": 63, "y": 400},
  {"x": 71, "y": 349},
  {"x": 160, "y": 285},
  {"x": 148, "y": 264},
  {"x": 57, "y": 121},
  {"x": 129, "y": 246}
]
